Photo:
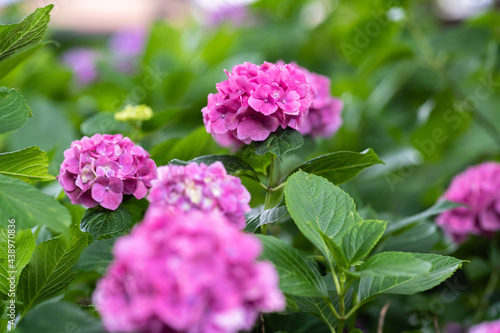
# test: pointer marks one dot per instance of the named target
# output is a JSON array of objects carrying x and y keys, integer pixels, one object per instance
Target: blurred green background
[{"x": 419, "y": 80}]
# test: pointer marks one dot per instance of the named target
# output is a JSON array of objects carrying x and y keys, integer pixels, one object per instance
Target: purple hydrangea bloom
[
  {"x": 236, "y": 15},
  {"x": 479, "y": 189},
  {"x": 100, "y": 169},
  {"x": 128, "y": 43},
  {"x": 186, "y": 272},
  {"x": 255, "y": 100},
  {"x": 486, "y": 327},
  {"x": 126, "y": 46},
  {"x": 324, "y": 118},
  {"x": 201, "y": 187},
  {"x": 83, "y": 62}
]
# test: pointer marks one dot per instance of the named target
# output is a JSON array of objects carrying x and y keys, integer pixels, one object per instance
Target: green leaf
[
  {"x": 291, "y": 305},
  {"x": 280, "y": 142},
  {"x": 442, "y": 267},
  {"x": 104, "y": 122},
  {"x": 393, "y": 264},
  {"x": 23, "y": 244},
  {"x": 234, "y": 165},
  {"x": 437, "y": 208},
  {"x": 318, "y": 307},
  {"x": 135, "y": 207},
  {"x": 13, "y": 110},
  {"x": 361, "y": 238},
  {"x": 334, "y": 252},
  {"x": 421, "y": 236},
  {"x": 160, "y": 119},
  {"x": 257, "y": 162},
  {"x": 97, "y": 256},
  {"x": 50, "y": 268},
  {"x": 341, "y": 166},
  {"x": 11, "y": 62},
  {"x": 197, "y": 143},
  {"x": 59, "y": 317},
  {"x": 30, "y": 31},
  {"x": 298, "y": 276},
  {"x": 316, "y": 204},
  {"x": 4, "y": 320},
  {"x": 30, "y": 207},
  {"x": 101, "y": 222},
  {"x": 26, "y": 164},
  {"x": 267, "y": 216}
]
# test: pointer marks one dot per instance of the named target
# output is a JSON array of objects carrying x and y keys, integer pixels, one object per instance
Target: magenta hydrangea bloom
[
  {"x": 101, "y": 169},
  {"x": 255, "y": 100},
  {"x": 479, "y": 189},
  {"x": 486, "y": 327},
  {"x": 323, "y": 119},
  {"x": 186, "y": 272},
  {"x": 201, "y": 187}
]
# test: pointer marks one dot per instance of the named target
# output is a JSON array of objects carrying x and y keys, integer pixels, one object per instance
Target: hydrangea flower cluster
[
  {"x": 100, "y": 169},
  {"x": 186, "y": 272},
  {"x": 201, "y": 187},
  {"x": 479, "y": 189},
  {"x": 324, "y": 117},
  {"x": 255, "y": 100},
  {"x": 486, "y": 327},
  {"x": 134, "y": 113},
  {"x": 126, "y": 46},
  {"x": 83, "y": 63}
]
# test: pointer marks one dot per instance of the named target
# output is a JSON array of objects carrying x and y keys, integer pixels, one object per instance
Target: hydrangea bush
[{"x": 257, "y": 220}]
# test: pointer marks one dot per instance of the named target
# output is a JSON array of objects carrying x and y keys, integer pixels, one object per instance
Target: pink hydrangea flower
[
  {"x": 101, "y": 169},
  {"x": 255, "y": 100},
  {"x": 186, "y": 272},
  {"x": 201, "y": 187},
  {"x": 324, "y": 117},
  {"x": 479, "y": 189},
  {"x": 486, "y": 327}
]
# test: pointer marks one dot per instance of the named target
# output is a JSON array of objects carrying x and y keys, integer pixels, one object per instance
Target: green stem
[
  {"x": 490, "y": 288},
  {"x": 269, "y": 192},
  {"x": 340, "y": 327},
  {"x": 336, "y": 281},
  {"x": 273, "y": 189},
  {"x": 343, "y": 317},
  {"x": 136, "y": 135},
  {"x": 332, "y": 308}
]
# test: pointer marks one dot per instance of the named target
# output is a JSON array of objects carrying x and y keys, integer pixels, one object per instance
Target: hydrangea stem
[
  {"x": 340, "y": 327},
  {"x": 490, "y": 286},
  {"x": 342, "y": 318},
  {"x": 136, "y": 135},
  {"x": 269, "y": 191}
]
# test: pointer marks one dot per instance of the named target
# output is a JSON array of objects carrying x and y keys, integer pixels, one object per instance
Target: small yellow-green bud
[{"x": 134, "y": 112}]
